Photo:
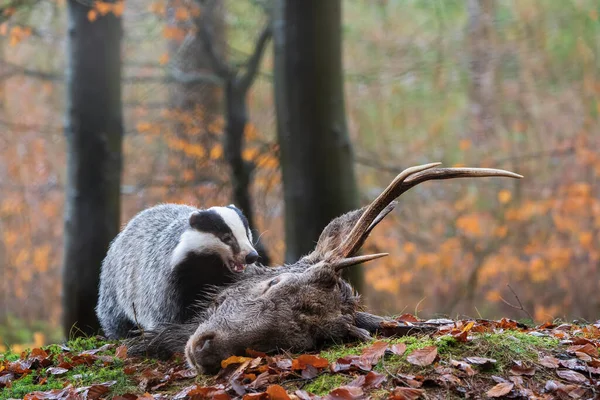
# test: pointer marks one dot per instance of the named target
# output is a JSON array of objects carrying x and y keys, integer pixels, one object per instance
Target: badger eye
[
  {"x": 227, "y": 239},
  {"x": 273, "y": 282}
]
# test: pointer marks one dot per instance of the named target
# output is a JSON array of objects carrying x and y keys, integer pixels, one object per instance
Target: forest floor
[{"x": 463, "y": 359}]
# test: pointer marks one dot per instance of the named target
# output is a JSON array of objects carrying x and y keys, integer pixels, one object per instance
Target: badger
[{"x": 165, "y": 261}]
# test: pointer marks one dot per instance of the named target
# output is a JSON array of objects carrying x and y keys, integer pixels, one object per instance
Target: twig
[
  {"x": 520, "y": 306},
  {"x": 141, "y": 329}
]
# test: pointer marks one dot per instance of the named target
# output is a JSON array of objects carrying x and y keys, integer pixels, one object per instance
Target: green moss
[
  {"x": 85, "y": 343},
  {"x": 26, "y": 385},
  {"x": 325, "y": 383}
]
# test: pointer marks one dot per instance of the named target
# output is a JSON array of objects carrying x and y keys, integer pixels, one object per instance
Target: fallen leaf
[
  {"x": 520, "y": 369},
  {"x": 423, "y": 357},
  {"x": 372, "y": 354},
  {"x": 234, "y": 360},
  {"x": 277, "y": 392},
  {"x": 309, "y": 372},
  {"x": 309, "y": 359},
  {"x": 371, "y": 380},
  {"x": 57, "y": 371},
  {"x": 345, "y": 393},
  {"x": 121, "y": 352},
  {"x": 501, "y": 389},
  {"x": 571, "y": 376},
  {"x": 587, "y": 348},
  {"x": 407, "y": 318},
  {"x": 463, "y": 366},
  {"x": 403, "y": 393},
  {"x": 549, "y": 362},
  {"x": 481, "y": 361},
  {"x": 398, "y": 348}
]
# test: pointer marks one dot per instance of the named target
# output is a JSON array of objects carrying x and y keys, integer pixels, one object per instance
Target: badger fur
[{"x": 166, "y": 259}]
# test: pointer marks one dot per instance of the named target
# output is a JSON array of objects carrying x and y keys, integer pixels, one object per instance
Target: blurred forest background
[{"x": 509, "y": 84}]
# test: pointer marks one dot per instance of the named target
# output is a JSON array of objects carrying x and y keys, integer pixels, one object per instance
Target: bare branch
[
  {"x": 520, "y": 306},
  {"x": 246, "y": 80},
  {"x": 205, "y": 30}
]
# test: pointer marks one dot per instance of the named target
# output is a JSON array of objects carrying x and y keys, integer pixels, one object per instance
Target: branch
[
  {"x": 207, "y": 36},
  {"x": 520, "y": 306},
  {"x": 246, "y": 80}
]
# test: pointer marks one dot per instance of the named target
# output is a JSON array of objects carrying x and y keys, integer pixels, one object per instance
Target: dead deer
[{"x": 296, "y": 307}]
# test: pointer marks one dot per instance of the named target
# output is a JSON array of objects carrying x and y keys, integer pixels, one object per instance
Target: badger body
[{"x": 165, "y": 260}]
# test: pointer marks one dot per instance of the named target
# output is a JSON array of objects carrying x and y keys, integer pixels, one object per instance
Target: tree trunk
[
  {"x": 316, "y": 153},
  {"x": 482, "y": 68},
  {"x": 236, "y": 117},
  {"x": 94, "y": 129}
]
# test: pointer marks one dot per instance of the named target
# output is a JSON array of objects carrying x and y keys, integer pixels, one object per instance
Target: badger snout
[
  {"x": 251, "y": 257},
  {"x": 204, "y": 352}
]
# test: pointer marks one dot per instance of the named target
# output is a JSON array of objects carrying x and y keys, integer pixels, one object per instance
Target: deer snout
[{"x": 203, "y": 352}]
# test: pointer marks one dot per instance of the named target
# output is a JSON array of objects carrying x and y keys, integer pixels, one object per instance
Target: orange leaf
[
  {"x": 504, "y": 196},
  {"x": 309, "y": 359},
  {"x": 92, "y": 15},
  {"x": 234, "y": 360},
  {"x": 277, "y": 392},
  {"x": 164, "y": 59},
  {"x": 103, "y": 7},
  {"x": 118, "y": 8}
]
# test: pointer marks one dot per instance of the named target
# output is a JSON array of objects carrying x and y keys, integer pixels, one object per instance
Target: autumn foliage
[{"x": 454, "y": 247}]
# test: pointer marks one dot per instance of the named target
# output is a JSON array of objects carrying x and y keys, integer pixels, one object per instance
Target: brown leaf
[
  {"x": 407, "y": 318},
  {"x": 573, "y": 364},
  {"x": 403, "y": 393},
  {"x": 254, "y": 353},
  {"x": 520, "y": 369},
  {"x": 184, "y": 374},
  {"x": 549, "y": 362},
  {"x": 423, "y": 357},
  {"x": 309, "y": 372},
  {"x": 309, "y": 359},
  {"x": 345, "y": 393},
  {"x": 501, "y": 389},
  {"x": 121, "y": 352},
  {"x": 96, "y": 391},
  {"x": 587, "y": 348},
  {"x": 371, "y": 380},
  {"x": 463, "y": 366},
  {"x": 126, "y": 396},
  {"x": 398, "y": 348},
  {"x": 277, "y": 392},
  {"x": 200, "y": 392},
  {"x": 372, "y": 354},
  {"x": 571, "y": 375}
]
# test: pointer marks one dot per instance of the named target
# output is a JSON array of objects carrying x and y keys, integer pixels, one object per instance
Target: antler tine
[
  {"x": 407, "y": 179},
  {"x": 348, "y": 262}
]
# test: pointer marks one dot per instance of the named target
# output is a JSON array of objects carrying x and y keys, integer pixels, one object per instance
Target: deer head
[{"x": 300, "y": 306}]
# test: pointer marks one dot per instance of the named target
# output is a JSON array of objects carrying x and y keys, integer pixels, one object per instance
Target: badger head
[{"x": 221, "y": 231}]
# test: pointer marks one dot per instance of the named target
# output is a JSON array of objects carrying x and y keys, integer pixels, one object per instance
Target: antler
[{"x": 404, "y": 181}]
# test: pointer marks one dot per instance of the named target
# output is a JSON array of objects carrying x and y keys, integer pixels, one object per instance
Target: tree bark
[
  {"x": 482, "y": 68},
  {"x": 316, "y": 154},
  {"x": 93, "y": 129}
]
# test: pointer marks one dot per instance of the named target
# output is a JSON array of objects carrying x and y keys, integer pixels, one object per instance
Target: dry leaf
[
  {"x": 403, "y": 393},
  {"x": 501, "y": 389},
  {"x": 571, "y": 376},
  {"x": 423, "y": 357}
]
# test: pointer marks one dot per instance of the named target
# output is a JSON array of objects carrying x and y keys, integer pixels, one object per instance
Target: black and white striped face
[{"x": 223, "y": 231}]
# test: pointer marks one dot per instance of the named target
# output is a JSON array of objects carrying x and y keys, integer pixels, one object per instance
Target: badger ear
[{"x": 199, "y": 219}]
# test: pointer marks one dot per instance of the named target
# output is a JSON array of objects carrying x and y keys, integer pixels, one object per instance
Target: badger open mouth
[{"x": 235, "y": 266}]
